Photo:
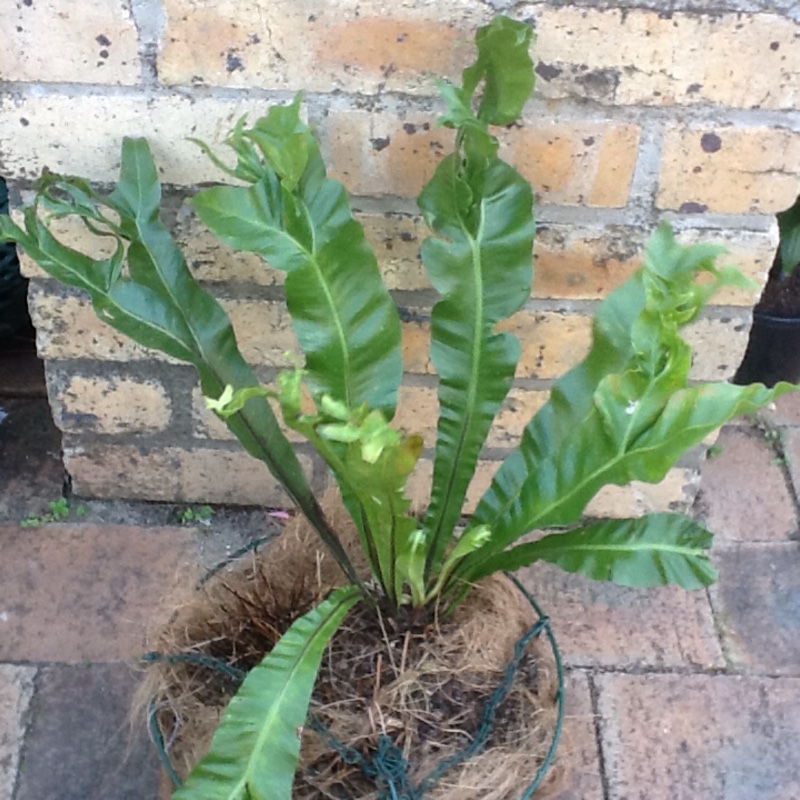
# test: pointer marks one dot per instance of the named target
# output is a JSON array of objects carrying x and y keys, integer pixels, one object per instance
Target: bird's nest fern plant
[{"x": 625, "y": 413}]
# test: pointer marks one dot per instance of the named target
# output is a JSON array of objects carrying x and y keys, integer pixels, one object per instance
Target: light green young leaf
[
  {"x": 505, "y": 66},
  {"x": 371, "y": 462},
  {"x": 254, "y": 751},
  {"x": 411, "y": 558}
]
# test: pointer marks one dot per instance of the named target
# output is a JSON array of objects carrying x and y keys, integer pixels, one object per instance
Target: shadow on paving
[{"x": 80, "y": 744}]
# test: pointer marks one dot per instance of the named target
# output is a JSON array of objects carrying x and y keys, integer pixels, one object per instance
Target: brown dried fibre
[{"x": 424, "y": 683}]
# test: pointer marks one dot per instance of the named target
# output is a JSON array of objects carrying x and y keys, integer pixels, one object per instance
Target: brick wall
[{"x": 639, "y": 114}]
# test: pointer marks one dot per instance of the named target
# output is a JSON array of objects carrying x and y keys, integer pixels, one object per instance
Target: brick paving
[{"x": 672, "y": 695}]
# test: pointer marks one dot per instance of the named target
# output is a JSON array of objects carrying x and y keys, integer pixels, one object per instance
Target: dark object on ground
[
  {"x": 13, "y": 287},
  {"x": 773, "y": 350}
]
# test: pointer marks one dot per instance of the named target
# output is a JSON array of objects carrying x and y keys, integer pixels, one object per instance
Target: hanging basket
[{"x": 380, "y": 764}]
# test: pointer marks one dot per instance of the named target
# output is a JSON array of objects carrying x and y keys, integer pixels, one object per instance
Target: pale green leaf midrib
[
  {"x": 642, "y": 547},
  {"x": 334, "y": 312}
]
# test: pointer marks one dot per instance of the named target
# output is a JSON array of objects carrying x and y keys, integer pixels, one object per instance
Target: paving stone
[
  {"x": 700, "y": 737},
  {"x": 81, "y": 744},
  {"x": 784, "y": 411},
  {"x": 791, "y": 444},
  {"x": 600, "y": 624},
  {"x": 743, "y": 492},
  {"x": 576, "y": 774},
  {"x": 757, "y": 602},
  {"x": 16, "y": 689},
  {"x": 74, "y": 593}
]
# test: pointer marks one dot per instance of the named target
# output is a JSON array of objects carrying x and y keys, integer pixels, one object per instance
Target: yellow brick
[
  {"x": 481, "y": 481},
  {"x": 108, "y": 471},
  {"x": 92, "y": 41},
  {"x": 121, "y": 471},
  {"x": 361, "y": 46},
  {"x": 516, "y": 413},
  {"x": 418, "y": 412},
  {"x": 214, "y": 261},
  {"x": 416, "y": 345},
  {"x": 585, "y": 263},
  {"x": 551, "y": 343},
  {"x": 729, "y": 170},
  {"x": 752, "y": 252},
  {"x": 576, "y": 163},
  {"x": 396, "y": 241},
  {"x": 418, "y": 488},
  {"x": 111, "y": 405},
  {"x": 616, "y": 162},
  {"x": 165, "y": 121},
  {"x": 676, "y": 492},
  {"x": 394, "y": 47},
  {"x": 632, "y": 56},
  {"x": 376, "y": 153},
  {"x": 263, "y": 331},
  {"x": 718, "y": 344},
  {"x": 67, "y": 327},
  {"x": 222, "y": 476}
]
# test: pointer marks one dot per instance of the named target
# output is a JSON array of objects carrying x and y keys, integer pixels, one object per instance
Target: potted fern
[
  {"x": 626, "y": 412},
  {"x": 773, "y": 349}
]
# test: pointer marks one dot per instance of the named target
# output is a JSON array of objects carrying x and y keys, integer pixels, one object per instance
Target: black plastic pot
[{"x": 773, "y": 351}]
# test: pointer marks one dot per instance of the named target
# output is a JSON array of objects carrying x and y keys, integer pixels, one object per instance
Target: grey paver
[
  {"x": 88, "y": 592},
  {"x": 700, "y": 737},
  {"x": 576, "y": 774},
  {"x": 757, "y": 601},
  {"x": 16, "y": 690},
  {"x": 80, "y": 744},
  {"x": 744, "y": 494},
  {"x": 601, "y": 624}
]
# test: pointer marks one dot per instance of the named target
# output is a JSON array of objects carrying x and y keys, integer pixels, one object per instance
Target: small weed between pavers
[
  {"x": 60, "y": 511},
  {"x": 774, "y": 438},
  {"x": 713, "y": 451},
  {"x": 200, "y": 515}
]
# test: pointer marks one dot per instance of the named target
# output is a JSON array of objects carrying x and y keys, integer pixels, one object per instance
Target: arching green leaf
[
  {"x": 654, "y": 550},
  {"x": 254, "y": 752},
  {"x": 481, "y": 211}
]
